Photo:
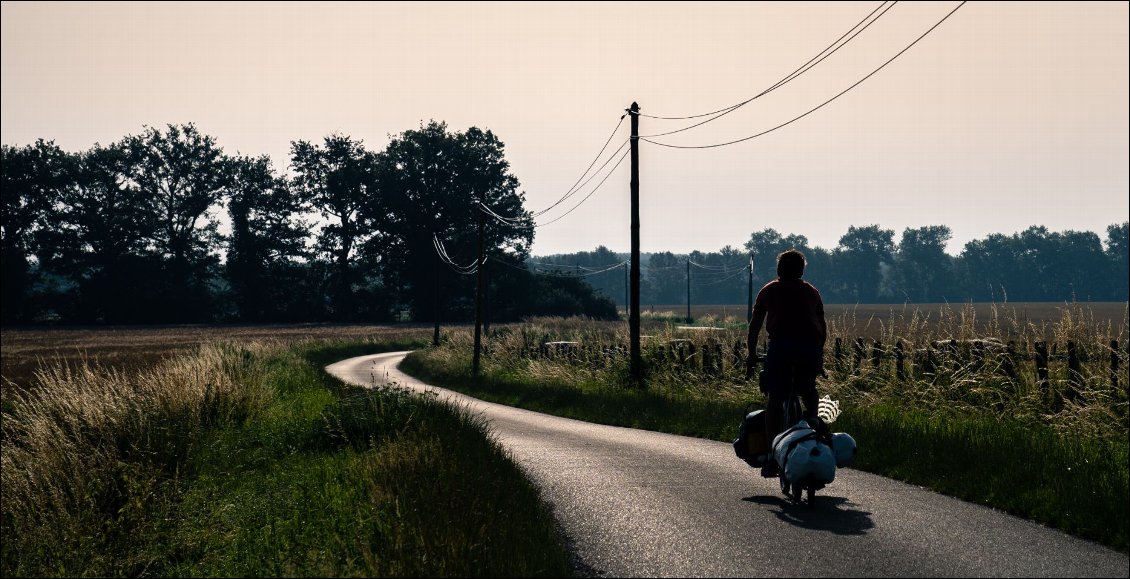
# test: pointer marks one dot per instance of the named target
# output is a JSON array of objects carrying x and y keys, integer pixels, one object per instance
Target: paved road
[{"x": 639, "y": 503}]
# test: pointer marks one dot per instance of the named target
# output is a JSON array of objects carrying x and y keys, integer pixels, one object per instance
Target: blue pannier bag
[{"x": 804, "y": 455}]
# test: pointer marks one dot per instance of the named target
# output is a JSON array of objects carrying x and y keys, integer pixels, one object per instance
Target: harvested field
[
  {"x": 871, "y": 320},
  {"x": 132, "y": 347}
]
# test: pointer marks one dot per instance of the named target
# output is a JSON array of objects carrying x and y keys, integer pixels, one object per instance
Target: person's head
[{"x": 790, "y": 264}]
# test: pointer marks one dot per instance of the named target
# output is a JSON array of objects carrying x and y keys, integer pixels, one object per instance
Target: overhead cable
[
  {"x": 812, "y": 62},
  {"x": 441, "y": 251},
  {"x": 574, "y": 188},
  {"x": 512, "y": 222},
  {"x": 818, "y": 107}
]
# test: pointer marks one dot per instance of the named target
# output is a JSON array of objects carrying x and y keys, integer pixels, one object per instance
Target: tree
[
  {"x": 990, "y": 267},
  {"x": 30, "y": 179},
  {"x": 666, "y": 275},
  {"x": 925, "y": 272},
  {"x": 266, "y": 244},
  {"x": 821, "y": 270},
  {"x": 610, "y": 283},
  {"x": 339, "y": 181},
  {"x": 865, "y": 257},
  {"x": 718, "y": 277},
  {"x": 765, "y": 245},
  {"x": 1079, "y": 263},
  {"x": 1118, "y": 259},
  {"x": 182, "y": 175},
  {"x": 101, "y": 242},
  {"x": 433, "y": 181},
  {"x": 521, "y": 293}
]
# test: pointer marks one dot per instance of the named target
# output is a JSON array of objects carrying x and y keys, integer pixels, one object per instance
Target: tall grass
[
  {"x": 250, "y": 461},
  {"x": 965, "y": 425},
  {"x": 86, "y": 452}
]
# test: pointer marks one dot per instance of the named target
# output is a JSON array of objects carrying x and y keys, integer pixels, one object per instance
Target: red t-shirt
[{"x": 791, "y": 309}]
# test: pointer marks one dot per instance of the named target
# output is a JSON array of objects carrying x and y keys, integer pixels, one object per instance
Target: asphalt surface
[{"x": 638, "y": 503}]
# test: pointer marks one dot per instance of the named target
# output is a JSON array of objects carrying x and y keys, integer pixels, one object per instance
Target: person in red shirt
[{"x": 793, "y": 315}]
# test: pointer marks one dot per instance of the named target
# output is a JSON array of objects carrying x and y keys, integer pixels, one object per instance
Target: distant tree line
[
  {"x": 868, "y": 266},
  {"x": 131, "y": 232}
]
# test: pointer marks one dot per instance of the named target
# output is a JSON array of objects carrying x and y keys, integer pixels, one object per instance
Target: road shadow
[{"x": 832, "y": 514}]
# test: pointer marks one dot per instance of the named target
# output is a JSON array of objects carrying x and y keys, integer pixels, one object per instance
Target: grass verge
[
  {"x": 1076, "y": 484},
  {"x": 252, "y": 462}
]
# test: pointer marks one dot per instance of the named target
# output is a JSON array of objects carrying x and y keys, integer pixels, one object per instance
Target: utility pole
[
  {"x": 479, "y": 296},
  {"x": 634, "y": 316},
  {"x": 435, "y": 298},
  {"x": 486, "y": 299},
  {"x": 749, "y": 309},
  {"x": 626, "y": 303},
  {"x": 688, "y": 290}
]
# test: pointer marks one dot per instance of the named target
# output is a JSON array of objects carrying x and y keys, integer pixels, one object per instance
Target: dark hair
[{"x": 790, "y": 264}]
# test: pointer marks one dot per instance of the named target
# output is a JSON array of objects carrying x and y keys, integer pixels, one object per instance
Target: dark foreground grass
[
  {"x": 319, "y": 479},
  {"x": 1077, "y": 485}
]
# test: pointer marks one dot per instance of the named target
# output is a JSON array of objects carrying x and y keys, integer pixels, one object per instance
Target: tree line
[
  {"x": 165, "y": 227},
  {"x": 868, "y": 266}
]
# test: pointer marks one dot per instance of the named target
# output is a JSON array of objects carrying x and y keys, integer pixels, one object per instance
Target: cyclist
[{"x": 793, "y": 315}]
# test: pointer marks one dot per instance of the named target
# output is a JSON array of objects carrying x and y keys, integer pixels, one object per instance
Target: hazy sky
[{"x": 1009, "y": 114}]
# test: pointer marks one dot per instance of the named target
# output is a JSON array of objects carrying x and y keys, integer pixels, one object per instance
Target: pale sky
[{"x": 1009, "y": 114}]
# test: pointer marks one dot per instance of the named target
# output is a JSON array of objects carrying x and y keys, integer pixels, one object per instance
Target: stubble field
[{"x": 131, "y": 348}]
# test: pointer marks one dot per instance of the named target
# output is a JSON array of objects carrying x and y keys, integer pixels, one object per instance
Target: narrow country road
[{"x": 639, "y": 503}]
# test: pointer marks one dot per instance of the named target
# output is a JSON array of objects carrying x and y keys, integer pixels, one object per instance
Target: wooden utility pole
[
  {"x": 626, "y": 302},
  {"x": 435, "y": 298},
  {"x": 486, "y": 298},
  {"x": 479, "y": 296},
  {"x": 634, "y": 316},
  {"x": 749, "y": 308},
  {"x": 688, "y": 290}
]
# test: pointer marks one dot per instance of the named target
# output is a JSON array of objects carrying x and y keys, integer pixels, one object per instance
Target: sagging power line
[
  {"x": 821, "y": 105},
  {"x": 829, "y": 51}
]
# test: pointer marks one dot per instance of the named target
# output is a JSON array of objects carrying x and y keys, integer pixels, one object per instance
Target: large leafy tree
[
  {"x": 766, "y": 245},
  {"x": 339, "y": 182},
  {"x": 101, "y": 242},
  {"x": 925, "y": 271},
  {"x": 183, "y": 176},
  {"x": 864, "y": 257},
  {"x": 988, "y": 267},
  {"x": 433, "y": 181},
  {"x": 666, "y": 275},
  {"x": 267, "y": 246},
  {"x": 1118, "y": 259},
  {"x": 719, "y": 276},
  {"x": 31, "y": 178},
  {"x": 1079, "y": 263}
]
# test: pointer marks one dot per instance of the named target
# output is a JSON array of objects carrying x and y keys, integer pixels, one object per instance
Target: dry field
[
  {"x": 133, "y": 347},
  {"x": 871, "y": 320}
]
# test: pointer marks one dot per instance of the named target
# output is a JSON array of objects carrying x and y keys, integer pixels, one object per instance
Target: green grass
[
  {"x": 315, "y": 479},
  {"x": 1078, "y": 484}
]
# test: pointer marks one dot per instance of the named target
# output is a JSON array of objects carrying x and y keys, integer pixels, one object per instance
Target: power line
[
  {"x": 723, "y": 268},
  {"x": 595, "y": 189},
  {"x": 547, "y": 264},
  {"x": 563, "y": 274},
  {"x": 573, "y": 189},
  {"x": 512, "y": 222},
  {"x": 791, "y": 76},
  {"x": 818, "y": 107},
  {"x": 441, "y": 251},
  {"x": 741, "y": 271},
  {"x": 591, "y": 273}
]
